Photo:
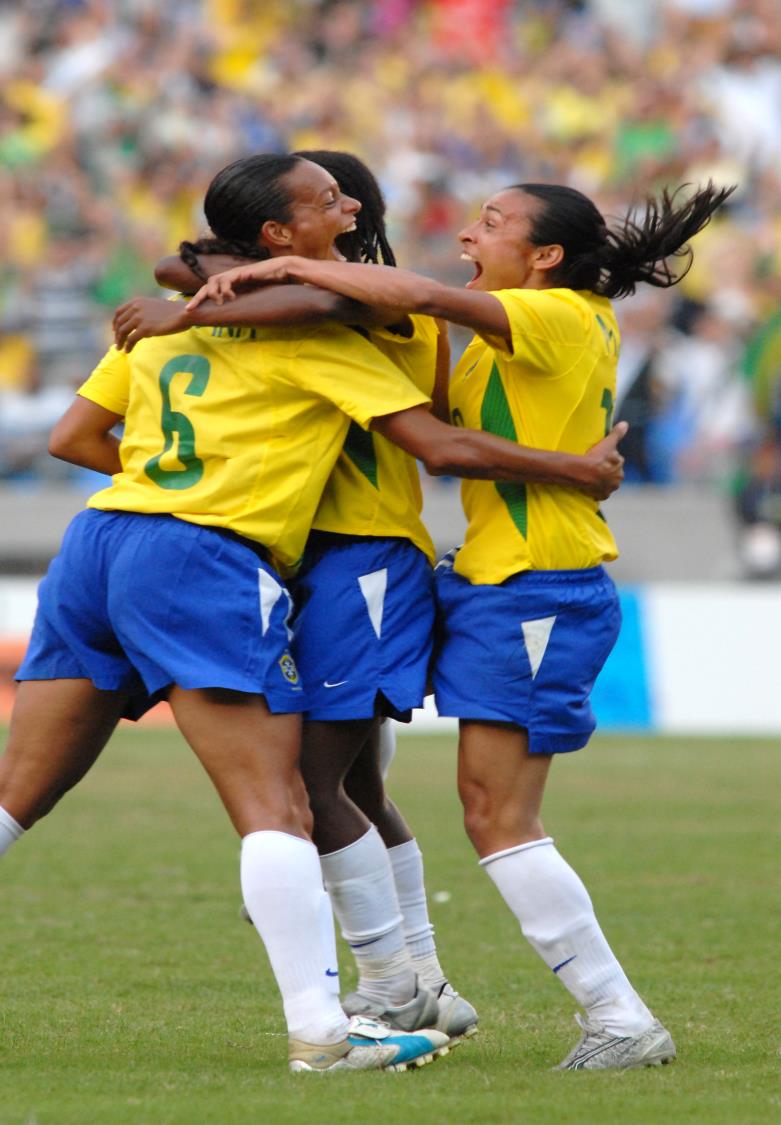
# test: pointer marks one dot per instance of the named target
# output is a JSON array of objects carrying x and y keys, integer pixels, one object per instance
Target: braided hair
[
  {"x": 239, "y": 200},
  {"x": 369, "y": 243},
  {"x": 612, "y": 261}
]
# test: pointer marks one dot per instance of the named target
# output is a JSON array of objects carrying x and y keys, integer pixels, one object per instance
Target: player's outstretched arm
[
  {"x": 174, "y": 273},
  {"x": 455, "y": 451},
  {"x": 83, "y": 437},
  {"x": 386, "y": 286}
]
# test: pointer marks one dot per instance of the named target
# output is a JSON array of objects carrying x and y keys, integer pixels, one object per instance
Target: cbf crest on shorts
[{"x": 288, "y": 666}]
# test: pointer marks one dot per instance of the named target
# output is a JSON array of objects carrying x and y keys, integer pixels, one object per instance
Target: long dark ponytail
[
  {"x": 369, "y": 243},
  {"x": 239, "y": 200},
  {"x": 649, "y": 244}
]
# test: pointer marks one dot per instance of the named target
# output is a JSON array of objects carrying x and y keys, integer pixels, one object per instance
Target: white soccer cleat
[
  {"x": 601, "y": 1050},
  {"x": 369, "y": 1045},
  {"x": 457, "y": 1018}
]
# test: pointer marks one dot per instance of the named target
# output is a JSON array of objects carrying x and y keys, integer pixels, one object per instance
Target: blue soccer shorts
[
  {"x": 363, "y": 626},
  {"x": 138, "y": 602},
  {"x": 525, "y": 652}
]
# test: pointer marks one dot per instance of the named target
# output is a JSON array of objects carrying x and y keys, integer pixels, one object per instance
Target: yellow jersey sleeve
[
  {"x": 109, "y": 383},
  {"x": 355, "y": 376}
]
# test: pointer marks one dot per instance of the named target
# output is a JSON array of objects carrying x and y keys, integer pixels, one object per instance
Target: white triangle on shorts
[
  {"x": 270, "y": 593},
  {"x": 536, "y": 635},
  {"x": 373, "y": 587}
]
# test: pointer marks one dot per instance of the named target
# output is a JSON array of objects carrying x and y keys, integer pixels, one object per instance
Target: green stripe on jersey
[
  {"x": 359, "y": 447},
  {"x": 495, "y": 418}
]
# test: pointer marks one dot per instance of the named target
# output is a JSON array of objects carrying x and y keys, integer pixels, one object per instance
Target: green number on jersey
[
  {"x": 608, "y": 405},
  {"x": 174, "y": 424}
]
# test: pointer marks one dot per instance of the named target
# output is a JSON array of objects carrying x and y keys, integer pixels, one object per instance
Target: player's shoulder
[{"x": 558, "y": 313}]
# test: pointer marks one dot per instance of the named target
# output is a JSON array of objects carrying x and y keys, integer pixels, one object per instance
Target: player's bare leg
[
  {"x": 365, "y": 784},
  {"x": 58, "y": 729},
  {"x": 501, "y": 786}
]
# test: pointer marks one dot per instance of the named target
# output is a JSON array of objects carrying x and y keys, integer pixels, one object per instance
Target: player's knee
[{"x": 477, "y": 814}]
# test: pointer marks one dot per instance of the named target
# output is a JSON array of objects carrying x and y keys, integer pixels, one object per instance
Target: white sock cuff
[
  {"x": 273, "y": 835},
  {"x": 7, "y": 821},
  {"x": 342, "y": 855},
  {"x": 408, "y": 850},
  {"x": 513, "y": 851}
]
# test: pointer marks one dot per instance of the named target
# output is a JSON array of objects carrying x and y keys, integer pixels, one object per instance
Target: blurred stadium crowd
[{"x": 116, "y": 113}]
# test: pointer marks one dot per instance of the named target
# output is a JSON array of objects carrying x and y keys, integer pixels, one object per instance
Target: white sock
[
  {"x": 407, "y": 863},
  {"x": 283, "y": 891},
  {"x": 387, "y": 745},
  {"x": 359, "y": 880},
  {"x": 557, "y": 917},
  {"x": 10, "y": 831}
]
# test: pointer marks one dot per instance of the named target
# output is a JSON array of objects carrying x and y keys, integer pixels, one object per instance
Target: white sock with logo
[
  {"x": 359, "y": 879},
  {"x": 283, "y": 891},
  {"x": 407, "y": 863},
  {"x": 10, "y": 831},
  {"x": 556, "y": 916}
]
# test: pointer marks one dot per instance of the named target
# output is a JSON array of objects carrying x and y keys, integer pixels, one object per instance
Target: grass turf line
[{"x": 131, "y": 992}]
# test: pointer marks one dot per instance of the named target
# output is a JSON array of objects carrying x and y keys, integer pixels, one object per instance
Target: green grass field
[{"x": 132, "y": 993}]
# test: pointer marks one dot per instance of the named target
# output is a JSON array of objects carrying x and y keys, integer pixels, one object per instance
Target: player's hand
[
  {"x": 606, "y": 463},
  {"x": 221, "y": 286},
  {"x": 147, "y": 316}
]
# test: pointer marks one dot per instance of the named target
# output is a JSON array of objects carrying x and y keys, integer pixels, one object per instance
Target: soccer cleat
[
  {"x": 600, "y": 1050},
  {"x": 369, "y": 1045},
  {"x": 457, "y": 1018},
  {"x": 421, "y": 1011}
]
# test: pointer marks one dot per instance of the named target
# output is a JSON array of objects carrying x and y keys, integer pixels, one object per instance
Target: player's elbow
[
  {"x": 61, "y": 445},
  {"x": 65, "y": 443},
  {"x": 450, "y": 455}
]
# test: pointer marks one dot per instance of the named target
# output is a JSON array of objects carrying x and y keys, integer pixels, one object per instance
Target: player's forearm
[
  {"x": 482, "y": 456},
  {"x": 393, "y": 288},
  {"x": 405, "y": 292}
]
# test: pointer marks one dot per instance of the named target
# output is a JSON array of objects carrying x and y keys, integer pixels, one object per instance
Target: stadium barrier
[{"x": 691, "y": 659}]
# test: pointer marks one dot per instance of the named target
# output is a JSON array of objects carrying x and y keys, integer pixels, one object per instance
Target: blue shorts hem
[
  {"x": 379, "y": 702},
  {"x": 540, "y": 741},
  {"x": 279, "y": 702}
]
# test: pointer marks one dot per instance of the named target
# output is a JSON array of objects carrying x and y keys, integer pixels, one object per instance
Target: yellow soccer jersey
[
  {"x": 240, "y": 427},
  {"x": 375, "y": 486},
  {"x": 555, "y": 390}
]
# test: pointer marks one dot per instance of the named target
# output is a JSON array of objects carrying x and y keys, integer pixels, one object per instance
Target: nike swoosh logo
[
  {"x": 337, "y": 684},
  {"x": 332, "y": 972},
  {"x": 469, "y": 370}
]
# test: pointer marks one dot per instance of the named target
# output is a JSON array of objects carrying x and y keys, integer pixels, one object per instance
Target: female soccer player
[
  {"x": 365, "y": 612},
  {"x": 528, "y": 582}
]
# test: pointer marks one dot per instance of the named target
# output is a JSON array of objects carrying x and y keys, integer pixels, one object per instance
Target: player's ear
[
  {"x": 548, "y": 257},
  {"x": 276, "y": 235}
]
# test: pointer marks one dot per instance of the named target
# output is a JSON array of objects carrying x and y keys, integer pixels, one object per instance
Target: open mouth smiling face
[
  {"x": 466, "y": 257},
  {"x": 320, "y": 214},
  {"x": 498, "y": 244}
]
